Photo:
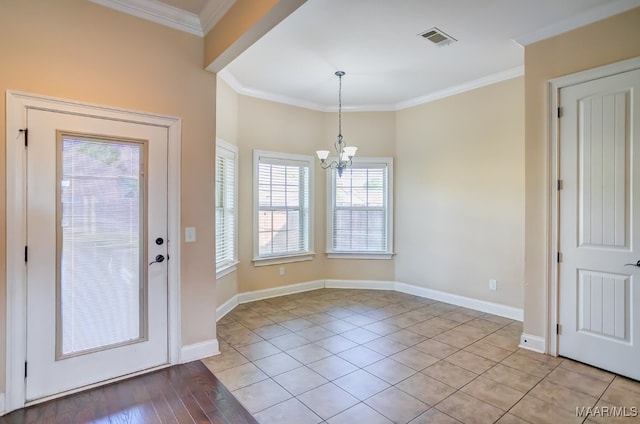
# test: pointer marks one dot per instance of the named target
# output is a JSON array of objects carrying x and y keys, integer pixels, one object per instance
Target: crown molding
[
  {"x": 236, "y": 86},
  {"x": 467, "y": 86},
  {"x": 212, "y": 12},
  {"x": 577, "y": 21},
  {"x": 160, "y": 13}
]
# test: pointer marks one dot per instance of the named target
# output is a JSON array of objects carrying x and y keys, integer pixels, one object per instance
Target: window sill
[
  {"x": 360, "y": 255},
  {"x": 227, "y": 269},
  {"x": 274, "y": 260}
]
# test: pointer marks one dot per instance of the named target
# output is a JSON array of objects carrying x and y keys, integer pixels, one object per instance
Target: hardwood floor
[{"x": 181, "y": 394}]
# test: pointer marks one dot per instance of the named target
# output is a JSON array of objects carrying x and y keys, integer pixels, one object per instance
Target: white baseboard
[
  {"x": 200, "y": 350},
  {"x": 454, "y": 299},
  {"x": 534, "y": 343},
  {"x": 359, "y": 284},
  {"x": 468, "y": 302},
  {"x": 226, "y": 307},
  {"x": 252, "y": 296}
]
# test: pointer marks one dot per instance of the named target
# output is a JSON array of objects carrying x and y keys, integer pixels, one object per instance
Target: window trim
[
  {"x": 292, "y": 257},
  {"x": 331, "y": 200},
  {"x": 231, "y": 266}
]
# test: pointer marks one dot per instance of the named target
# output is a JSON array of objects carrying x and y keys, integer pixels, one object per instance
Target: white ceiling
[{"x": 388, "y": 66}]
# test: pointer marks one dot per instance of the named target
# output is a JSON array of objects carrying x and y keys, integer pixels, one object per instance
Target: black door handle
[
  {"x": 636, "y": 264},
  {"x": 159, "y": 259}
]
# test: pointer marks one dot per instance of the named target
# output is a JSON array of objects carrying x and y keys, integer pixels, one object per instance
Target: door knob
[
  {"x": 159, "y": 259},
  {"x": 636, "y": 264}
]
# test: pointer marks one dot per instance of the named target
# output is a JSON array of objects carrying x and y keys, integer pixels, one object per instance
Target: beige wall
[
  {"x": 266, "y": 125},
  {"x": 227, "y": 130},
  {"x": 601, "y": 43},
  {"x": 276, "y": 127},
  {"x": 226, "y": 112},
  {"x": 374, "y": 135},
  {"x": 459, "y": 193},
  {"x": 78, "y": 50},
  {"x": 459, "y": 160},
  {"x": 242, "y": 25},
  {"x": 240, "y": 18},
  {"x": 463, "y": 159}
]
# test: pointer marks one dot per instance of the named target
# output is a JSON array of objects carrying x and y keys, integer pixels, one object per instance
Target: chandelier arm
[{"x": 326, "y": 165}]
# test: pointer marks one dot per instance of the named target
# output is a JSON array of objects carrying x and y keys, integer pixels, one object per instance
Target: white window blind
[
  {"x": 282, "y": 186},
  {"x": 360, "y": 218},
  {"x": 100, "y": 280},
  {"x": 226, "y": 214}
]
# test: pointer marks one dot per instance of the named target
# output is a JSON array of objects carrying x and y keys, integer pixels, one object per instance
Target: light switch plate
[{"x": 190, "y": 234}]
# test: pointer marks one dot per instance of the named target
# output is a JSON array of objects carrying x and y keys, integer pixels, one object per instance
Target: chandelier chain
[
  {"x": 344, "y": 153},
  {"x": 340, "y": 106}
]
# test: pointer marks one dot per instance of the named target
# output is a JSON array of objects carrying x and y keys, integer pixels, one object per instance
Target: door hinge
[
  {"x": 25, "y": 369},
  {"x": 559, "y": 185},
  {"x": 25, "y": 131},
  {"x": 559, "y": 112},
  {"x": 559, "y": 258},
  {"x": 26, "y": 253},
  {"x": 558, "y": 329}
]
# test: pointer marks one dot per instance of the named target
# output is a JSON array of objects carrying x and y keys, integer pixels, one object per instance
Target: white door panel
[
  {"x": 600, "y": 223},
  {"x": 96, "y": 202}
]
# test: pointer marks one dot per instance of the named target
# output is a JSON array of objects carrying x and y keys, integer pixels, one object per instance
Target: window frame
[
  {"x": 229, "y": 150},
  {"x": 294, "y": 256},
  {"x": 361, "y": 162}
]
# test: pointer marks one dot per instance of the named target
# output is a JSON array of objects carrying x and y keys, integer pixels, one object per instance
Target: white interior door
[
  {"x": 599, "y": 307},
  {"x": 96, "y": 220}
]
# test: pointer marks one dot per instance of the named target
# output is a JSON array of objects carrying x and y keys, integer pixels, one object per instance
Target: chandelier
[{"x": 344, "y": 153}]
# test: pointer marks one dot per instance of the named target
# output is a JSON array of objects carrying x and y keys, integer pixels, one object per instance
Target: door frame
[
  {"x": 553, "y": 205},
  {"x": 17, "y": 105}
]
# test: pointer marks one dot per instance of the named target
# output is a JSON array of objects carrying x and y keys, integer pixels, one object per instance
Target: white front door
[
  {"x": 599, "y": 277},
  {"x": 96, "y": 220}
]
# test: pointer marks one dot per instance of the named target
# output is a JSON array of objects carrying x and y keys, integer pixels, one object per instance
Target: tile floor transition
[{"x": 366, "y": 356}]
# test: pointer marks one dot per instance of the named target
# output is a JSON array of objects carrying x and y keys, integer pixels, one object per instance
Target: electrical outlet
[
  {"x": 281, "y": 270},
  {"x": 493, "y": 285}
]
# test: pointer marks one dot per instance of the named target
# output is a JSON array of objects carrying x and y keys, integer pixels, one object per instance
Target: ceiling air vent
[{"x": 437, "y": 36}]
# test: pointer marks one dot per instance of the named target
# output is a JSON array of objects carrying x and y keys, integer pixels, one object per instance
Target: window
[
  {"x": 283, "y": 221},
  {"x": 360, "y": 216},
  {"x": 226, "y": 211}
]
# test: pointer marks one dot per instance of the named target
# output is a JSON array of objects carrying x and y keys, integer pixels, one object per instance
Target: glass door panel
[{"x": 101, "y": 284}]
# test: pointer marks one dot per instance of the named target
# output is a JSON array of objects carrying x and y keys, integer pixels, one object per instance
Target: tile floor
[{"x": 367, "y": 356}]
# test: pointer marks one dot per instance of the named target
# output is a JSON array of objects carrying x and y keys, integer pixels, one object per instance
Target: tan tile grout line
[
  {"x": 459, "y": 324},
  {"x": 528, "y": 391},
  {"x": 479, "y": 375},
  {"x": 399, "y": 303},
  {"x": 542, "y": 379},
  {"x": 408, "y": 347}
]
